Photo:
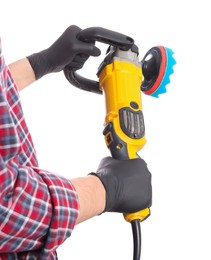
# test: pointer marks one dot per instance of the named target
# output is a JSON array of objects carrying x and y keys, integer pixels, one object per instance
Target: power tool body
[{"x": 122, "y": 77}]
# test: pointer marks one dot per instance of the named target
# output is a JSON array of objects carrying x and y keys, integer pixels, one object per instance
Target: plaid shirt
[{"x": 38, "y": 209}]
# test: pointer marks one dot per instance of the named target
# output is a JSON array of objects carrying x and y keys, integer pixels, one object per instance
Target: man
[{"x": 39, "y": 209}]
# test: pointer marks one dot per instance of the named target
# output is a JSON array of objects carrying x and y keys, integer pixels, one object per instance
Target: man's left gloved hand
[{"x": 66, "y": 50}]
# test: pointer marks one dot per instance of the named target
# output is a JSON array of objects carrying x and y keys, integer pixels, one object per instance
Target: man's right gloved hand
[{"x": 127, "y": 184}]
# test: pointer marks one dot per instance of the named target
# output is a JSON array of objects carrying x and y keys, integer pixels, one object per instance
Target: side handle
[{"x": 103, "y": 35}]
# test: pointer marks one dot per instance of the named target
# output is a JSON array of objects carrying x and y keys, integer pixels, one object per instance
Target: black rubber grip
[{"x": 109, "y": 37}]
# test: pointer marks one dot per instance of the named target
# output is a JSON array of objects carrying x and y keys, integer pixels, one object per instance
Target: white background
[{"x": 67, "y": 123}]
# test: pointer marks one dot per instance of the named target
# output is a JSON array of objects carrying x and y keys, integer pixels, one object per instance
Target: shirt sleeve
[{"x": 38, "y": 209}]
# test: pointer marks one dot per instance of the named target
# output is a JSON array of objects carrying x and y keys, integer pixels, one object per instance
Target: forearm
[
  {"x": 92, "y": 197},
  {"x": 22, "y": 73}
]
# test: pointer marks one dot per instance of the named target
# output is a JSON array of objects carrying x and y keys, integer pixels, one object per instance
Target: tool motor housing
[{"x": 120, "y": 78}]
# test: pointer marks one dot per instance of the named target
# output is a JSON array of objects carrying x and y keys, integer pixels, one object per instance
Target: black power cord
[{"x": 136, "y": 228}]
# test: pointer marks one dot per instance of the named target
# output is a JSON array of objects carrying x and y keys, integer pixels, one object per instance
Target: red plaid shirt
[{"x": 38, "y": 209}]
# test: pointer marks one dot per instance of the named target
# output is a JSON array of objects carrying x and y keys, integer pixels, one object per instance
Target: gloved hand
[
  {"x": 127, "y": 184},
  {"x": 66, "y": 50}
]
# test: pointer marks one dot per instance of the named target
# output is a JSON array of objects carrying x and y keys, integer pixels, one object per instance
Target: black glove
[
  {"x": 127, "y": 184},
  {"x": 66, "y": 50}
]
